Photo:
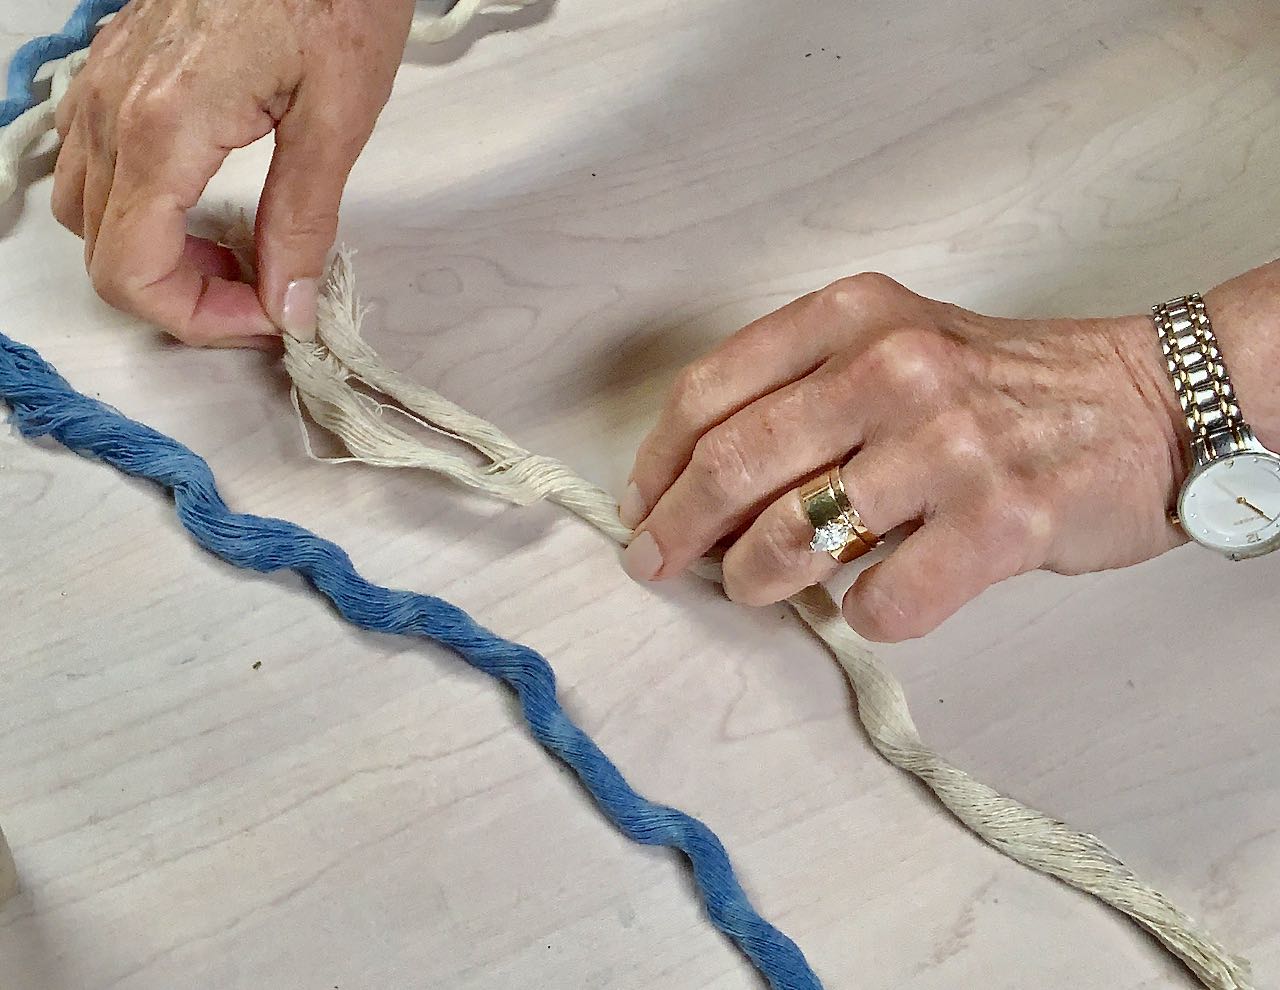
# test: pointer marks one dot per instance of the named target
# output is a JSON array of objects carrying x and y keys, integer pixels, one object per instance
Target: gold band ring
[{"x": 837, "y": 527}]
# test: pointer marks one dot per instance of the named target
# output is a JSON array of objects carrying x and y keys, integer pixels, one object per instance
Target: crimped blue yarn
[
  {"x": 44, "y": 404},
  {"x": 27, "y": 60}
]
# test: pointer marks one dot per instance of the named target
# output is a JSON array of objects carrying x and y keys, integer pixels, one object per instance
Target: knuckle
[
  {"x": 91, "y": 96},
  {"x": 910, "y": 361},
  {"x": 858, "y": 291},
  {"x": 881, "y": 616},
  {"x": 777, "y": 548},
  {"x": 720, "y": 459},
  {"x": 145, "y": 111},
  {"x": 876, "y": 284},
  {"x": 109, "y": 286},
  {"x": 108, "y": 39},
  {"x": 311, "y": 227},
  {"x": 342, "y": 133},
  {"x": 961, "y": 439},
  {"x": 997, "y": 517},
  {"x": 691, "y": 393},
  {"x": 1015, "y": 524},
  {"x": 772, "y": 553}
]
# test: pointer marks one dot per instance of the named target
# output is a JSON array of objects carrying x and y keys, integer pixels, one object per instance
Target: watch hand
[{"x": 1241, "y": 500}]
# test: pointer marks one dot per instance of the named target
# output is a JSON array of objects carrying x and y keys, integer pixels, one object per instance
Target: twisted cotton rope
[
  {"x": 44, "y": 404},
  {"x": 32, "y": 124},
  {"x": 323, "y": 376}
]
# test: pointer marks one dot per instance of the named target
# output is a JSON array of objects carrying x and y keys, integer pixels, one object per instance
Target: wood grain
[{"x": 556, "y": 212}]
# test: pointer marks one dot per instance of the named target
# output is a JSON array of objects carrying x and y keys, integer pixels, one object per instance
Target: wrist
[
  {"x": 1137, "y": 346},
  {"x": 1246, "y": 320},
  {"x": 1245, "y": 314}
]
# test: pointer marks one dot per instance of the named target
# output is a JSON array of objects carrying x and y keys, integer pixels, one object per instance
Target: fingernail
[
  {"x": 632, "y": 509},
  {"x": 298, "y": 312},
  {"x": 642, "y": 559}
]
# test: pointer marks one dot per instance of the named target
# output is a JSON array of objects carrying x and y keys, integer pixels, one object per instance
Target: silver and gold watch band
[{"x": 1200, "y": 378}]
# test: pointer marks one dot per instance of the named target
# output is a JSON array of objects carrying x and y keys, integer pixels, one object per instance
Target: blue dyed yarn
[
  {"x": 27, "y": 60},
  {"x": 44, "y": 404}
]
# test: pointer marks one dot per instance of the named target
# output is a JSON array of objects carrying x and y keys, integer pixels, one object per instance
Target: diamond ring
[{"x": 837, "y": 527}]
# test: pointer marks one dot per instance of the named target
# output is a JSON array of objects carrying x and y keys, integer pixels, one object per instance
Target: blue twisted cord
[
  {"x": 27, "y": 60},
  {"x": 44, "y": 404}
]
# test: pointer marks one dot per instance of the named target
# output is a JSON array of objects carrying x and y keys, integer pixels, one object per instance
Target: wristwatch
[{"x": 1230, "y": 501}]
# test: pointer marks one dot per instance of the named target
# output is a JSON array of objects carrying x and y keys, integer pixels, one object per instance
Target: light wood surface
[{"x": 556, "y": 212}]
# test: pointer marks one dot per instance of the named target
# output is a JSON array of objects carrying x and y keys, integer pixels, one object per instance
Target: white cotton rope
[
  {"x": 429, "y": 30},
  {"x": 333, "y": 378},
  {"x": 33, "y": 124},
  {"x": 326, "y": 374}
]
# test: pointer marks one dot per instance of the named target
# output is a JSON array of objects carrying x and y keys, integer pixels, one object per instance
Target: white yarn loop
[
  {"x": 325, "y": 377},
  {"x": 429, "y": 30},
  {"x": 33, "y": 124}
]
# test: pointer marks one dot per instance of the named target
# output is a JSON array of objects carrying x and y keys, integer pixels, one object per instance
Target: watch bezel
[{"x": 1198, "y": 472}]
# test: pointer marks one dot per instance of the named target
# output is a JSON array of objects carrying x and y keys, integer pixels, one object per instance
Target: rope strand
[
  {"x": 325, "y": 375},
  {"x": 44, "y": 404}
]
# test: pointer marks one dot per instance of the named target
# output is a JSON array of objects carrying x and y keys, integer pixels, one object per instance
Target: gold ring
[{"x": 837, "y": 527}]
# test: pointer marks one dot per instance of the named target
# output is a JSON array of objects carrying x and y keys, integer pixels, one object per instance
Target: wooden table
[{"x": 210, "y": 781}]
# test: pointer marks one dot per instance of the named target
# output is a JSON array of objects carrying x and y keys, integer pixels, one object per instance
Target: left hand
[
  {"x": 169, "y": 89},
  {"x": 1002, "y": 446}
]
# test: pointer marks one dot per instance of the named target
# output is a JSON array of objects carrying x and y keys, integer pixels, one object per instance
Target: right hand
[{"x": 170, "y": 87}]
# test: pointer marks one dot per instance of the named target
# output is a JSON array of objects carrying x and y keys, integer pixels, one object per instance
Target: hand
[
  {"x": 170, "y": 87},
  {"x": 1001, "y": 446}
]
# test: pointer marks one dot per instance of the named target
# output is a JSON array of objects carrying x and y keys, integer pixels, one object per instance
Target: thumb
[{"x": 297, "y": 219}]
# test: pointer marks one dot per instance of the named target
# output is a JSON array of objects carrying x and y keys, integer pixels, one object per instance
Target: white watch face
[{"x": 1233, "y": 504}]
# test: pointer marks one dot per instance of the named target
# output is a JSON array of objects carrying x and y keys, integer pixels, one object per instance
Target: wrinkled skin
[
  {"x": 171, "y": 86},
  {"x": 999, "y": 446}
]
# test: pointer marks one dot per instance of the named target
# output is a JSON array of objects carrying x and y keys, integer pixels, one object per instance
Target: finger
[
  {"x": 936, "y": 570},
  {"x": 220, "y": 262},
  {"x": 211, "y": 258},
  {"x": 65, "y": 112},
  {"x": 316, "y": 147},
  {"x": 104, "y": 50},
  {"x": 740, "y": 466},
  {"x": 100, "y": 172},
  {"x": 67, "y": 201},
  {"x": 771, "y": 352},
  {"x": 140, "y": 261},
  {"x": 772, "y": 560}
]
